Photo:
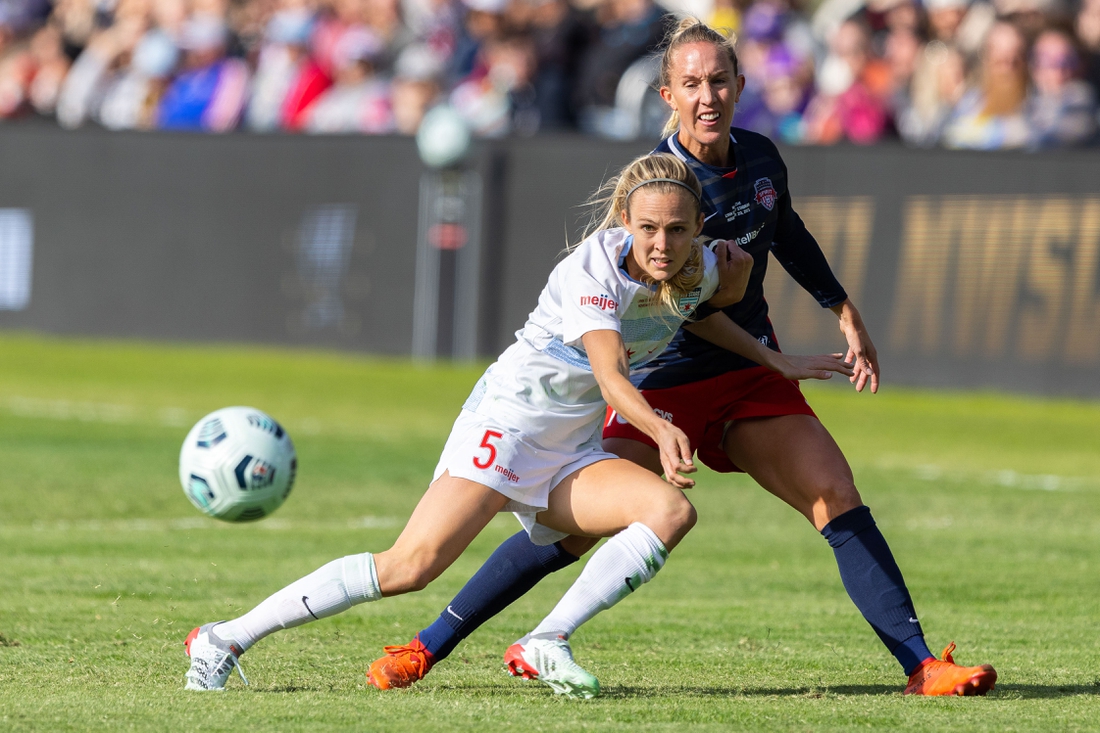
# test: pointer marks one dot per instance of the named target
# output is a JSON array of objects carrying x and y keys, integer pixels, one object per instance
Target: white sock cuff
[{"x": 360, "y": 578}]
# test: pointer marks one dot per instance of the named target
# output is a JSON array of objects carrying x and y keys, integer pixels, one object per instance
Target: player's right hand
[
  {"x": 822, "y": 366},
  {"x": 734, "y": 270},
  {"x": 675, "y": 449}
]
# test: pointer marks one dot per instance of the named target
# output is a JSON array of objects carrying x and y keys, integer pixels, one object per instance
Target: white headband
[{"x": 661, "y": 180}]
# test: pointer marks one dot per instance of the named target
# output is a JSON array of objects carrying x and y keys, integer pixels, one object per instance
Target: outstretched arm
[
  {"x": 721, "y": 331},
  {"x": 801, "y": 256},
  {"x": 611, "y": 367}
]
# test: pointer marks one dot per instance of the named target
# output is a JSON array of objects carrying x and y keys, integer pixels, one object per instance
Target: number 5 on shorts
[{"x": 492, "y": 457}]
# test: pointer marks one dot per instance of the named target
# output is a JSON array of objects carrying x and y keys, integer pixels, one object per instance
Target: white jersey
[
  {"x": 590, "y": 290},
  {"x": 538, "y": 410}
]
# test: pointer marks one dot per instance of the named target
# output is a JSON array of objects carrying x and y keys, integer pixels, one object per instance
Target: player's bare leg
[
  {"x": 605, "y": 498},
  {"x": 795, "y": 458},
  {"x": 636, "y": 452},
  {"x": 448, "y": 517}
]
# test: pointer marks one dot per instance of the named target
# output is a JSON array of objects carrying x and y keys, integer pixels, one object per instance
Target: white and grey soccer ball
[
  {"x": 237, "y": 464},
  {"x": 443, "y": 138}
]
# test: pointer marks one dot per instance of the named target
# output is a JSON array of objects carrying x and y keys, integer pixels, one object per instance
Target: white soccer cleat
[
  {"x": 212, "y": 659},
  {"x": 551, "y": 661}
]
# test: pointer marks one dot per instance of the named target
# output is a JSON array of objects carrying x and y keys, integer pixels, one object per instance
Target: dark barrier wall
[
  {"x": 261, "y": 239},
  {"x": 970, "y": 269}
]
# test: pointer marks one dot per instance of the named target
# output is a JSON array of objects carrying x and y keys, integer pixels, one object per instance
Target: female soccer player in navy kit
[
  {"x": 737, "y": 414},
  {"x": 528, "y": 439}
]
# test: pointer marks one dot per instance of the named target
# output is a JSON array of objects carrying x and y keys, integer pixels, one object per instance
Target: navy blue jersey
[{"x": 748, "y": 203}]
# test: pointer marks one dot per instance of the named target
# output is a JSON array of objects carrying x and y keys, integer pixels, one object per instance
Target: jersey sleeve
[
  {"x": 801, "y": 256},
  {"x": 710, "y": 274},
  {"x": 710, "y": 285},
  {"x": 591, "y": 301}
]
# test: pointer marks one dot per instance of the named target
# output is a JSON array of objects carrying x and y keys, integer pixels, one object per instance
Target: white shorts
[{"x": 504, "y": 459}]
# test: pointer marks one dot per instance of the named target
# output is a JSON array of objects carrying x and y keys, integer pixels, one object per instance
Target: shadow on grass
[
  {"x": 1044, "y": 692},
  {"x": 641, "y": 692},
  {"x": 1026, "y": 692},
  {"x": 623, "y": 692}
]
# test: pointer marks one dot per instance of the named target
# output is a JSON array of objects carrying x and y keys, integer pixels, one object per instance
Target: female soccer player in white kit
[{"x": 528, "y": 437}]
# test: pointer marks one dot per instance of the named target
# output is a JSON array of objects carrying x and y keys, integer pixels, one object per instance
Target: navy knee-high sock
[
  {"x": 513, "y": 569},
  {"x": 874, "y": 582}
]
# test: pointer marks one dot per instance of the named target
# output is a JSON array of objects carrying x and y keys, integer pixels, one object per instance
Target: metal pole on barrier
[
  {"x": 468, "y": 273},
  {"x": 448, "y": 244},
  {"x": 426, "y": 284}
]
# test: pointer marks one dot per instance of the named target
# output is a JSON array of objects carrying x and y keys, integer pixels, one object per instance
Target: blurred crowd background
[{"x": 979, "y": 74}]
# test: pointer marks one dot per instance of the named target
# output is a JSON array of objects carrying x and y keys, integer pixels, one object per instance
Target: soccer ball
[
  {"x": 443, "y": 138},
  {"x": 237, "y": 464}
]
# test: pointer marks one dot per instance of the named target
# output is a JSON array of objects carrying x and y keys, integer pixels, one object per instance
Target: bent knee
[
  {"x": 831, "y": 499},
  {"x": 685, "y": 515},
  {"x": 839, "y": 494},
  {"x": 672, "y": 519}
]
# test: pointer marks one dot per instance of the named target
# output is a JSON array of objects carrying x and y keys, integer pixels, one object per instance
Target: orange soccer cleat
[
  {"x": 935, "y": 677},
  {"x": 402, "y": 666}
]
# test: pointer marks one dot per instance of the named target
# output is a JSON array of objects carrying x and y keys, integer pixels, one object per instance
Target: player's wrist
[
  {"x": 657, "y": 428},
  {"x": 772, "y": 359},
  {"x": 848, "y": 314}
]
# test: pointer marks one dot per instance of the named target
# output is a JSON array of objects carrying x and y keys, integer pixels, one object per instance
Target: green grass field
[{"x": 991, "y": 504}]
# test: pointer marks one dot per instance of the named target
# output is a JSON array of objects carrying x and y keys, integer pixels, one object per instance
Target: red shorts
[{"x": 702, "y": 409}]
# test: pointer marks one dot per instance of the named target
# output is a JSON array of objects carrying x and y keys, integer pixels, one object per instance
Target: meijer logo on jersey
[
  {"x": 602, "y": 302},
  {"x": 507, "y": 473}
]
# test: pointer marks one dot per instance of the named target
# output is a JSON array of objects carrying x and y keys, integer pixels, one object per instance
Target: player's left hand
[
  {"x": 675, "y": 449},
  {"x": 861, "y": 352},
  {"x": 734, "y": 270},
  {"x": 823, "y": 366}
]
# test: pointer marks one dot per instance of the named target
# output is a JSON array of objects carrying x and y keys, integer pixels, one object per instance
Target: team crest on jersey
[
  {"x": 688, "y": 302},
  {"x": 765, "y": 193}
]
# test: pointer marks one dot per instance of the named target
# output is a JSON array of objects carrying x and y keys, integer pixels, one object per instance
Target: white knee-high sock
[
  {"x": 616, "y": 570},
  {"x": 327, "y": 591}
]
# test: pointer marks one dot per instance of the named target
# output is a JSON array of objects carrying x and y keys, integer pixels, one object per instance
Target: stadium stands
[{"x": 976, "y": 74}]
